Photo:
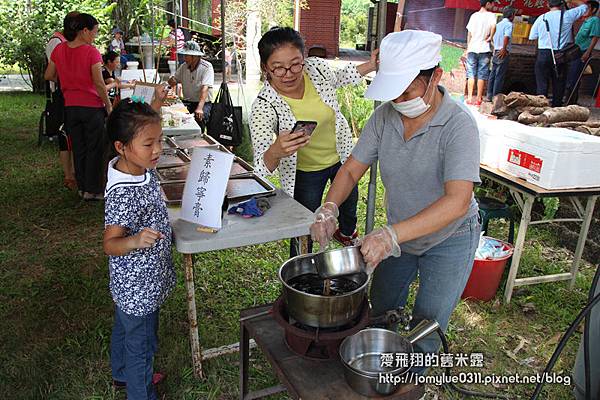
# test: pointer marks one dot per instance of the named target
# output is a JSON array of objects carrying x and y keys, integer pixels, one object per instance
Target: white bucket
[
  {"x": 132, "y": 64},
  {"x": 172, "y": 66}
]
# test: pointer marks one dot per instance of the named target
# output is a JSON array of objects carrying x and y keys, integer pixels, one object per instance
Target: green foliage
[
  {"x": 353, "y": 24},
  {"x": 450, "y": 57},
  {"x": 355, "y": 107},
  {"x": 25, "y": 27},
  {"x": 551, "y": 205}
]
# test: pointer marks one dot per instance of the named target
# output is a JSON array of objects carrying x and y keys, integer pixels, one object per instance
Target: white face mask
[{"x": 415, "y": 107}]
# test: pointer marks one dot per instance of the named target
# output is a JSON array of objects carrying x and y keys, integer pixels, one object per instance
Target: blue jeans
[
  {"x": 478, "y": 65},
  {"x": 308, "y": 191},
  {"x": 496, "y": 81},
  {"x": 443, "y": 273},
  {"x": 132, "y": 346}
]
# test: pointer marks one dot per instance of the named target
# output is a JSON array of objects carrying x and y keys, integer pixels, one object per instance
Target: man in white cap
[
  {"x": 427, "y": 145},
  {"x": 197, "y": 78}
]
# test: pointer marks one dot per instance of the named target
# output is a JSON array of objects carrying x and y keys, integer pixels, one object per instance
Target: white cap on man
[{"x": 402, "y": 56}]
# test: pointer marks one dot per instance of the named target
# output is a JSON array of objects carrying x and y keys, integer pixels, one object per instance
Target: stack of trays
[{"x": 174, "y": 164}]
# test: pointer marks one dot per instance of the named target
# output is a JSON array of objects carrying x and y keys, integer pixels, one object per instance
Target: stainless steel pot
[
  {"x": 317, "y": 310},
  {"x": 361, "y": 357}
]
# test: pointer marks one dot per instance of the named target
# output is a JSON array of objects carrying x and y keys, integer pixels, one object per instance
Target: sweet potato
[
  {"x": 568, "y": 113},
  {"x": 527, "y": 118},
  {"x": 518, "y": 99}
]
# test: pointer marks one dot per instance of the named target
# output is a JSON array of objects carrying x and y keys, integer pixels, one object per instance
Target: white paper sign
[
  {"x": 129, "y": 75},
  {"x": 205, "y": 187},
  {"x": 145, "y": 91}
]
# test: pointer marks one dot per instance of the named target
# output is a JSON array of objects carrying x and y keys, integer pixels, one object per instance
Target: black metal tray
[
  {"x": 172, "y": 158},
  {"x": 251, "y": 185},
  {"x": 172, "y": 193}
]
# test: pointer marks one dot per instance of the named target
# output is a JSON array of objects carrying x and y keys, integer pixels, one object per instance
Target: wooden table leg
[
  {"x": 303, "y": 241},
  {"x": 583, "y": 232},
  {"x": 519, "y": 243},
  {"x": 188, "y": 261}
]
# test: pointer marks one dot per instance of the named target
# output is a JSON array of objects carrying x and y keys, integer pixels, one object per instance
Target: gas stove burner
[{"x": 316, "y": 343}]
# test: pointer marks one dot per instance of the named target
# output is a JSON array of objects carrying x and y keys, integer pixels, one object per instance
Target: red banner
[{"x": 524, "y": 7}]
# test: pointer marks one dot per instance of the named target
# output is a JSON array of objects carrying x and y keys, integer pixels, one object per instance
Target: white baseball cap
[{"x": 402, "y": 56}]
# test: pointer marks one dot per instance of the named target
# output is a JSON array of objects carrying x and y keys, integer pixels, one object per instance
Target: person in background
[
  {"x": 303, "y": 89},
  {"x": 586, "y": 40},
  {"x": 176, "y": 41},
  {"x": 111, "y": 64},
  {"x": 77, "y": 64},
  {"x": 137, "y": 238},
  {"x": 481, "y": 28},
  {"x": 546, "y": 41},
  {"x": 118, "y": 46},
  {"x": 65, "y": 154},
  {"x": 197, "y": 78},
  {"x": 427, "y": 146},
  {"x": 502, "y": 46},
  {"x": 228, "y": 61}
]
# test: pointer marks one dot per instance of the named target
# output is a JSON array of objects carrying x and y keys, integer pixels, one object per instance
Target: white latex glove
[
  {"x": 379, "y": 245},
  {"x": 325, "y": 224}
]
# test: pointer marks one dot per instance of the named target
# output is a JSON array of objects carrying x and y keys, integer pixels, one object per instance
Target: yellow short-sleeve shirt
[{"x": 320, "y": 152}]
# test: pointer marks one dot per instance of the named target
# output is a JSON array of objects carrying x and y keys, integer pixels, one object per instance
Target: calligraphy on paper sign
[{"x": 205, "y": 186}]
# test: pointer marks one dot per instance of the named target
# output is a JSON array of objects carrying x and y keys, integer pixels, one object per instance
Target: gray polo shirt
[
  {"x": 414, "y": 172},
  {"x": 192, "y": 81}
]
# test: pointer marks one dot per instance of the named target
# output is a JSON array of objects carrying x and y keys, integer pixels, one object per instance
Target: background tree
[
  {"x": 26, "y": 26},
  {"x": 353, "y": 22}
]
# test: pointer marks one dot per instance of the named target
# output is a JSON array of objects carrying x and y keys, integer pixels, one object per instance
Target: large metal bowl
[{"x": 324, "y": 311}]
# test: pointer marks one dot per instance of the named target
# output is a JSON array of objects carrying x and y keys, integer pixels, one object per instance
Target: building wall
[
  {"x": 320, "y": 25},
  {"x": 431, "y": 15}
]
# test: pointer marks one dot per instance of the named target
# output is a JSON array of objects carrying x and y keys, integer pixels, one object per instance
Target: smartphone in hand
[{"x": 306, "y": 127}]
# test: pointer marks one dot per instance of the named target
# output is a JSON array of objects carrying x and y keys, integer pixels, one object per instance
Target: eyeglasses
[{"x": 281, "y": 71}]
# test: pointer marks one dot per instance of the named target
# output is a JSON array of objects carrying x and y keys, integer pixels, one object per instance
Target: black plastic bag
[{"x": 225, "y": 121}]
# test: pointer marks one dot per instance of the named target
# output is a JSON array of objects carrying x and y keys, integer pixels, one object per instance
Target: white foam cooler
[
  {"x": 491, "y": 139},
  {"x": 553, "y": 158}
]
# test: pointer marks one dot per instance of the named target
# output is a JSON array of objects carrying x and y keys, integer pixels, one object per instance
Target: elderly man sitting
[{"x": 196, "y": 77}]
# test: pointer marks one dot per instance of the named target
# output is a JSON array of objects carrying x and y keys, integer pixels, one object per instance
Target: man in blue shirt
[
  {"x": 545, "y": 30},
  {"x": 502, "y": 39},
  {"x": 586, "y": 40}
]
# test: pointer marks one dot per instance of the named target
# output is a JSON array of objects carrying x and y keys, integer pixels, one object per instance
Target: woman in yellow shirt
[{"x": 303, "y": 89}]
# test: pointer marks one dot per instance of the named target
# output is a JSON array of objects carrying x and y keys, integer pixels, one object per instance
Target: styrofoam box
[
  {"x": 553, "y": 158},
  {"x": 491, "y": 139}
]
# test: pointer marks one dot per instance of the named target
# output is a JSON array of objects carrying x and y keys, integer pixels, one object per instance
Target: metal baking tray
[
  {"x": 167, "y": 143},
  {"x": 173, "y": 174},
  {"x": 250, "y": 185},
  {"x": 176, "y": 174},
  {"x": 185, "y": 142},
  {"x": 172, "y": 193},
  {"x": 189, "y": 141},
  {"x": 240, "y": 167},
  {"x": 238, "y": 189},
  {"x": 217, "y": 146},
  {"x": 172, "y": 158}
]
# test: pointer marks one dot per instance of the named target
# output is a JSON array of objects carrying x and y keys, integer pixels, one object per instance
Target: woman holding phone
[{"x": 299, "y": 89}]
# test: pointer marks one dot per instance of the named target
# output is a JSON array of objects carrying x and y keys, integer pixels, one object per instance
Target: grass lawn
[{"x": 57, "y": 311}]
